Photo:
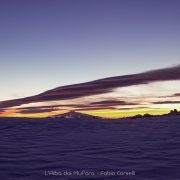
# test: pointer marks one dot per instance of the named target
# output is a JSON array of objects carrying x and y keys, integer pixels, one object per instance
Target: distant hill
[
  {"x": 174, "y": 112},
  {"x": 75, "y": 115}
]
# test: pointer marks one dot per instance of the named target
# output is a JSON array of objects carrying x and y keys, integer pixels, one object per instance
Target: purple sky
[{"x": 49, "y": 43}]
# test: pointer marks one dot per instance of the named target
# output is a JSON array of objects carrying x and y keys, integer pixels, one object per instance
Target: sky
[{"x": 47, "y": 44}]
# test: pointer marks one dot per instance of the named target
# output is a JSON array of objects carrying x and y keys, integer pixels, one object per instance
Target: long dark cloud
[
  {"x": 135, "y": 108},
  {"x": 34, "y": 111},
  {"x": 112, "y": 103},
  {"x": 45, "y": 107},
  {"x": 167, "y": 102},
  {"x": 176, "y": 95},
  {"x": 93, "y": 107},
  {"x": 2, "y": 111},
  {"x": 97, "y": 87}
]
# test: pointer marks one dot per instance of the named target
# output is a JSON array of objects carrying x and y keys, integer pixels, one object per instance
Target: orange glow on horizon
[{"x": 15, "y": 113}]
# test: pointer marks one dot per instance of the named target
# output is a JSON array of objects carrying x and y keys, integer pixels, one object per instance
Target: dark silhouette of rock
[
  {"x": 142, "y": 116},
  {"x": 148, "y": 115},
  {"x": 137, "y": 116},
  {"x": 174, "y": 112}
]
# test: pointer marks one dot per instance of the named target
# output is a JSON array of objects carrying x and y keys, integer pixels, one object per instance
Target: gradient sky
[{"x": 49, "y": 43}]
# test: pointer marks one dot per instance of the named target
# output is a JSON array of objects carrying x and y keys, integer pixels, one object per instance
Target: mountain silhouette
[{"x": 75, "y": 115}]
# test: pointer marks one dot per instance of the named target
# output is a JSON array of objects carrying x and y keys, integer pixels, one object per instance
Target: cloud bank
[{"x": 96, "y": 87}]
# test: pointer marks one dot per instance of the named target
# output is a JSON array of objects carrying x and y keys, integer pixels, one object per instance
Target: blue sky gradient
[{"x": 49, "y": 43}]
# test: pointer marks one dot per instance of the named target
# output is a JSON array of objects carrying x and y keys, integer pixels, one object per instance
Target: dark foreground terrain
[{"x": 143, "y": 149}]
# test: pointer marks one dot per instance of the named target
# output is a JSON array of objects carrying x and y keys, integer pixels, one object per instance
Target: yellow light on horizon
[{"x": 125, "y": 113}]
